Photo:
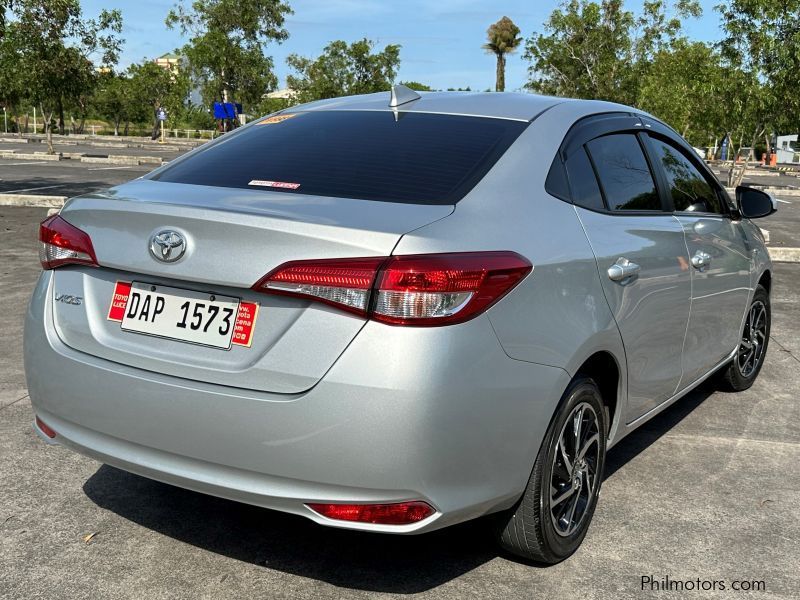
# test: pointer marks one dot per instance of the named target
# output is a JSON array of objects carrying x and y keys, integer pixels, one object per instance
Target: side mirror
[{"x": 754, "y": 203}]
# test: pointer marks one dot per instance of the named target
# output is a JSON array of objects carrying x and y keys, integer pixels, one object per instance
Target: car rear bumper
[{"x": 434, "y": 414}]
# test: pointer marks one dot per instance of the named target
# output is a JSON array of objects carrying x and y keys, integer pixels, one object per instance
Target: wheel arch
[
  {"x": 605, "y": 370},
  {"x": 766, "y": 280}
]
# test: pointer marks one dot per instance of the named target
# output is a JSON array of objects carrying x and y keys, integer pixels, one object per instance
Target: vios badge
[{"x": 167, "y": 245}]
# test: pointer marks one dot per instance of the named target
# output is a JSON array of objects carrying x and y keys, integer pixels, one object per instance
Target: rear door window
[
  {"x": 689, "y": 189},
  {"x": 413, "y": 158},
  {"x": 624, "y": 174},
  {"x": 582, "y": 182}
]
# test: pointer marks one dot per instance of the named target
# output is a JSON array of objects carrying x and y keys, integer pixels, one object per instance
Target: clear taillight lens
[
  {"x": 422, "y": 290},
  {"x": 345, "y": 283},
  {"x": 64, "y": 244}
]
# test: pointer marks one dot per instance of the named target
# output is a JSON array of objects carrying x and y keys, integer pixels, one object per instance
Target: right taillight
[
  {"x": 441, "y": 289},
  {"x": 64, "y": 244},
  {"x": 421, "y": 290}
]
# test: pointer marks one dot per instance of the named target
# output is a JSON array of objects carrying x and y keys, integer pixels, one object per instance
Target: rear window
[{"x": 412, "y": 158}]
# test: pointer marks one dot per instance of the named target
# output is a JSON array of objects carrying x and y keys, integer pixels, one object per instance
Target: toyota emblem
[{"x": 167, "y": 245}]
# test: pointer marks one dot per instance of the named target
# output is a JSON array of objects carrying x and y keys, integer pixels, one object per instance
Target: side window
[
  {"x": 690, "y": 191},
  {"x": 624, "y": 173},
  {"x": 582, "y": 182}
]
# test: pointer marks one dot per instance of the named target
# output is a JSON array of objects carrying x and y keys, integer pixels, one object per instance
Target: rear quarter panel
[{"x": 558, "y": 315}]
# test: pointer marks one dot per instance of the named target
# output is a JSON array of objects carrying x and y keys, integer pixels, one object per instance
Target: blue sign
[
  {"x": 161, "y": 114},
  {"x": 226, "y": 110},
  {"x": 724, "y": 153}
]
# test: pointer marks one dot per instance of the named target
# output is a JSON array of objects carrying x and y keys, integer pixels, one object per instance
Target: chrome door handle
[
  {"x": 623, "y": 270},
  {"x": 701, "y": 260}
]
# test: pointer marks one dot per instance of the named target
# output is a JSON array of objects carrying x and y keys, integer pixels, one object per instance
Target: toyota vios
[{"x": 397, "y": 312}]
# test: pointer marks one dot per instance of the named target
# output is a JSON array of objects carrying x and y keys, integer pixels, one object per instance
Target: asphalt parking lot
[
  {"x": 709, "y": 489},
  {"x": 63, "y": 178}
]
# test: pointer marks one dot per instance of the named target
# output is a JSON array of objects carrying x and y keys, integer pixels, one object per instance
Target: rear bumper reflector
[
  {"x": 401, "y": 513},
  {"x": 43, "y": 427}
]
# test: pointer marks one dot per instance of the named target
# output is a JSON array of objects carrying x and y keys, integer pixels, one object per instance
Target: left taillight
[
  {"x": 419, "y": 290},
  {"x": 64, "y": 244}
]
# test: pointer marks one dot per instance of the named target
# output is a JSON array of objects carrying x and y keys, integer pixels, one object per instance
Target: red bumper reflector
[
  {"x": 401, "y": 513},
  {"x": 44, "y": 428}
]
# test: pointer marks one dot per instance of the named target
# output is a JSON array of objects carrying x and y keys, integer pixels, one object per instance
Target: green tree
[
  {"x": 416, "y": 85},
  {"x": 682, "y": 85},
  {"x": 56, "y": 47},
  {"x": 153, "y": 87},
  {"x": 225, "y": 51},
  {"x": 599, "y": 50},
  {"x": 12, "y": 86},
  {"x": 343, "y": 70},
  {"x": 503, "y": 38},
  {"x": 115, "y": 100},
  {"x": 4, "y": 6},
  {"x": 762, "y": 38}
]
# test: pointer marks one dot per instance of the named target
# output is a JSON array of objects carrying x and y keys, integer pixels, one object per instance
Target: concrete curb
[
  {"x": 32, "y": 200},
  {"x": 787, "y": 255},
  {"x": 30, "y": 156},
  {"x": 122, "y": 159}
]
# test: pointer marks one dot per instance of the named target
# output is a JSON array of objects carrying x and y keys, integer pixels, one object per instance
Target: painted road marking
[
  {"x": 44, "y": 187},
  {"x": 25, "y": 164},
  {"x": 107, "y": 168}
]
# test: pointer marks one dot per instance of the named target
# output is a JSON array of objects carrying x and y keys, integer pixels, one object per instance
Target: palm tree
[{"x": 503, "y": 39}]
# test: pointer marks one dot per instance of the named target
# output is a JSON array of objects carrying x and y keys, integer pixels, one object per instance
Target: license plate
[{"x": 204, "y": 318}]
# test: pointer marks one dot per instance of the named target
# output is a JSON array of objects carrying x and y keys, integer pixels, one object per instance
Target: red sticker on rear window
[
  {"x": 245, "y": 324},
  {"x": 274, "y": 184},
  {"x": 119, "y": 300}
]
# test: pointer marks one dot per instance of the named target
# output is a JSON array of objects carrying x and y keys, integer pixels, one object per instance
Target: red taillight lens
[
  {"x": 401, "y": 513},
  {"x": 44, "y": 428},
  {"x": 344, "y": 283},
  {"x": 422, "y": 289},
  {"x": 440, "y": 289},
  {"x": 64, "y": 244}
]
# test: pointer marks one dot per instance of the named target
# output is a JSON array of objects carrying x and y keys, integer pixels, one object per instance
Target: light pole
[{"x": 5, "y": 119}]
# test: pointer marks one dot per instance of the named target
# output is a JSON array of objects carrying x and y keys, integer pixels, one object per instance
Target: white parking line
[
  {"x": 24, "y": 164},
  {"x": 44, "y": 187},
  {"x": 784, "y": 201},
  {"x": 107, "y": 168}
]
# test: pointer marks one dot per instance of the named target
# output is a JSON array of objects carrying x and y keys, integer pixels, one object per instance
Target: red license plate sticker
[
  {"x": 242, "y": 331},
  {"x": 245, "y": 324},
  {"x": 119, "y": 301}
]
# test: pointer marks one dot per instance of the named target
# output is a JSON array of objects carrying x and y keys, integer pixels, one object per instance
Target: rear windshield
[{"x": 412, "y": 158}]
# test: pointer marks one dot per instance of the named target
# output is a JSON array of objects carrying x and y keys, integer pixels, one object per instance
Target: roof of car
[{"x": 507, "y": 105}]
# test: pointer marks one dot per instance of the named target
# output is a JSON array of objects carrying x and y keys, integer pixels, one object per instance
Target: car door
[
  {"x": 641, "y": 257},
  {"x": 719, "y": 253}
]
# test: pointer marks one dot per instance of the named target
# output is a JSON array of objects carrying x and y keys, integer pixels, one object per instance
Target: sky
[{"x": 441, "y": 39}]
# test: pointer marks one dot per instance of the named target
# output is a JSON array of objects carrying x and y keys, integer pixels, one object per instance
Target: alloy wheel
[
  {"x": 574, "y": 472},
  {"x": 754, "y": 337}
]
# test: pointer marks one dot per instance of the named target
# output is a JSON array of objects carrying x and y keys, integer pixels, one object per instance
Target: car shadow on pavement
[
  {"x": 293, "y": 544},
  {"x": 643, "y": 437},
  {"x": 348, "y": 559}
]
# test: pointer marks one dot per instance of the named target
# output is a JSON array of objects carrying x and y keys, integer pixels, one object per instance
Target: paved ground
[
  {"x": 707, "y": 490},
  {"x": 104, "y": 148},
  {"x": 63, "y": 178},
  {"x": 783, "y": 226}
]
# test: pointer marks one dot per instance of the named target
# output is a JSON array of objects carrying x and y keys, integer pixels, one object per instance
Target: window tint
[
  {"x": 690, "y": 191},
  {"x": 624, "y": 174},
  {"x": 412, "y": 158},
  {"x": 556, "y": 182},
  {"x": 582, "y": 182}
]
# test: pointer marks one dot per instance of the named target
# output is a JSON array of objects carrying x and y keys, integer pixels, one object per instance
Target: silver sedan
[{"x": 397, "y": 312}]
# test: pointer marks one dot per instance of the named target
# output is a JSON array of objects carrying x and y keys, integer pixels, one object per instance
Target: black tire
[
  {"x": 532, "y": 529},
  {"x": 743, "y": 370}
]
